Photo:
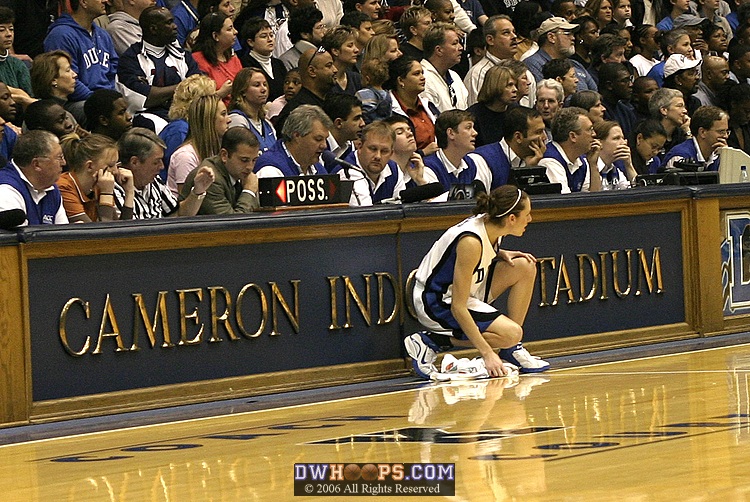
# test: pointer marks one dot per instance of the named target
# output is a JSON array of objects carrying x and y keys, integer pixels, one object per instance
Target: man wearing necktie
[{"x": 235, "y": 188}]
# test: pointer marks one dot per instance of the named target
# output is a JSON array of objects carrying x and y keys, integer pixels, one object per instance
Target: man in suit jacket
[{"x": 235, "y": 187}]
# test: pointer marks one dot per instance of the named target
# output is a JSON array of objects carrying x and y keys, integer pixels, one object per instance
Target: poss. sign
[{"x": 303, "y": 190}]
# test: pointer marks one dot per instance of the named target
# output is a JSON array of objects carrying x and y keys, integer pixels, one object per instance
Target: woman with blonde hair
[
  {"x": 382, "y": 47},
  {"x": 87, "y": 188},
  {"x": 414, "y": 23},
  {"x": 247, "y": 108},
  {"x": 498, "y": 93},
  {"x": 53, "y": 77},
  {"x": 207, "y": 123},
  {"x": 341, "y": 44},
  {"x": 175, "y": 132},
  {"x": 601, "y": 10}
]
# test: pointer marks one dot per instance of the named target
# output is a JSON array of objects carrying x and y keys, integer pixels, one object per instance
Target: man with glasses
[
  {"x": 710, "y": 128},
  {"x": 306, "y": 30},
  {"x": 28, "y": 181},
  {"x": 616, "y": 88},
  {"x": 572, "y": 156},
  {"x": 549, "y": 101},
  {"x": 555, "y": 39}
]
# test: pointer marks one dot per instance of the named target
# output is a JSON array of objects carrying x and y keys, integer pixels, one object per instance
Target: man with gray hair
[
  {"x": 556, "y": 37},
  {"x": 572, "y": 156},
  {"x": 668, "y": 107},
  {"x": 28, "y": 181},
  {"x": 549, "y": 101},
  {"x": 142, "y": 151},
  {"x": 297, "y": 153},
  {"x": 502, "y": 43}
]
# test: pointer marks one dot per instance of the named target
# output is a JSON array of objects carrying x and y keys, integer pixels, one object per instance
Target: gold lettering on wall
[
  {"x": 563, "y": 277},
  {"x": 648, "y": 272},
  {"x": 543, "y": 278},
  {"x": 586, "y": 259},
  {"x": 333, "y": 288},
  {"x": 381, "y": 299},
  {"x": 603, "y": 267},
  {"x": 64, "y": 326},
  {"x": 276, "y": 296},
  {"x": 160, "y": 314},
  {"x": 184, "y": 316},
  {"x": 351, "y": 293},
  {"x": 616, "y": 263},
  {"x": 263, "y": 311},
  {"x": 108, "y": 317},
  {"x": 616, "y": 272},
  {"x": 215, "y": 291}
]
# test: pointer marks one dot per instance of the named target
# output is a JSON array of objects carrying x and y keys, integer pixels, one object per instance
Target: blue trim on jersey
[
  {"x": 575, "y": 179},
  {"x": 437, "y": 285},
  {"x": 447, "y": 179},
  {"x": 36, "y": 214},
  {"x": 497, "y": 161}
]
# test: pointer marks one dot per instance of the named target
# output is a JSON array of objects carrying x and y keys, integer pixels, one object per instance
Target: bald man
[{"x": 318, "y": 73}]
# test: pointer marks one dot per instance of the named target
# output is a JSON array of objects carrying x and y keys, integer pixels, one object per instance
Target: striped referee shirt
[{"x": 154, "y": 201}]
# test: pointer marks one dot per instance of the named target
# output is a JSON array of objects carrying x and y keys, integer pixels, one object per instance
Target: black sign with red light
[{"x": 303, "y": 190}]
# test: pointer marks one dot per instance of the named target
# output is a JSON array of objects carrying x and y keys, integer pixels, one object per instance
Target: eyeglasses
[
  {"x": 320, "y": 50},
  {"x": 721, "y": 132},
  {"x": 60, "y": 158}
]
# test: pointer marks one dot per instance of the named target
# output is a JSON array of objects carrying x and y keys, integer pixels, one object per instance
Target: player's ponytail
[{"x": 501, "y": 202}]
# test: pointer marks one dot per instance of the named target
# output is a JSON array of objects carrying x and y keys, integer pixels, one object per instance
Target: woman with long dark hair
[
  {"x": 406, "y": 82},
  {"x": 214, "y": 52}
]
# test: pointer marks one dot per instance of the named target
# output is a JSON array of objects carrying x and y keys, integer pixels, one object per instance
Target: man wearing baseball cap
[
  {"x": 681, "y": 73},
  {"x": 556, "y": 41},
  {"x": 694, "y": 26}
]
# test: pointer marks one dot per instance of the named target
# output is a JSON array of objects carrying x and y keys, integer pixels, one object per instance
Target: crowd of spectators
[{"x": 130, "y": 109}]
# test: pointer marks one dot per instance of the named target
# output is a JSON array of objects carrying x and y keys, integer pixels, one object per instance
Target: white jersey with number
[{"x": 434, "y": 279}]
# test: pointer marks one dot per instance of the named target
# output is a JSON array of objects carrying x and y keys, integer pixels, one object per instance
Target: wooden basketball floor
[{"x": 673, "y": 427}]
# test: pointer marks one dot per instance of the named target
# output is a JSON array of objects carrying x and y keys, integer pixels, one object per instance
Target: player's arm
[{"x": 468, "y": 255}]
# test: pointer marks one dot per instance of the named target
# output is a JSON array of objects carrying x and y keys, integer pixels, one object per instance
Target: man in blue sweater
[
  {"x": 710, "y": 128},
  {"x": 28, "y": 182},
  {"x": 297, "y": 153},
  {"x": 523, "y": 145},
  {"x": 92, "y": 52}
]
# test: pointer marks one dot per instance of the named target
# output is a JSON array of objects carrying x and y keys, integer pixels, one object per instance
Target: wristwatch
[{"x": 200, "y": 196}]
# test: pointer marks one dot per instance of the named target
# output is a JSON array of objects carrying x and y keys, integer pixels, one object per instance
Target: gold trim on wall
[{"x": 212, "y": 390}]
